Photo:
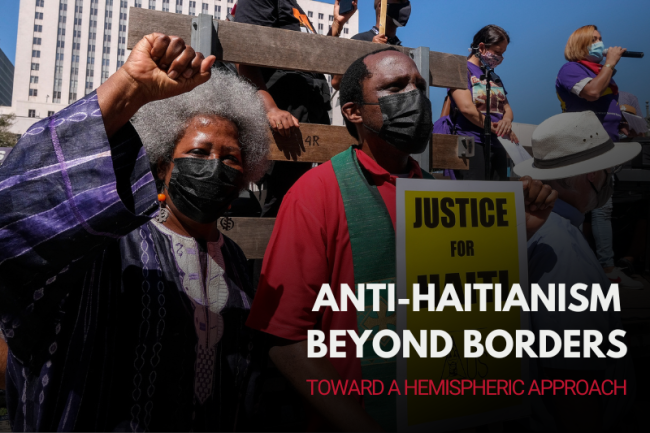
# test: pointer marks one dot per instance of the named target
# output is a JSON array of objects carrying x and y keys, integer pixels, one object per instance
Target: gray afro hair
[{"x": 161, "y": 124}]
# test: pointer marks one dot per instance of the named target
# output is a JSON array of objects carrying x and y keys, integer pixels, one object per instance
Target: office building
[
  {"x": 67, "y": 48},
  {"x": 6, "y": 79}
]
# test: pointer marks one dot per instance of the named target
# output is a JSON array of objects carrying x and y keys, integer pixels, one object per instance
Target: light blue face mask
[{"x": 596, "y": 52}]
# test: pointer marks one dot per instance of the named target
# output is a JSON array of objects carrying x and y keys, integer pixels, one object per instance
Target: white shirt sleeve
[{"x": 580, "y": 85}]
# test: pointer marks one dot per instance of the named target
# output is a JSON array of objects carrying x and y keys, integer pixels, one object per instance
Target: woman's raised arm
[{"x": 80, "y": 179}]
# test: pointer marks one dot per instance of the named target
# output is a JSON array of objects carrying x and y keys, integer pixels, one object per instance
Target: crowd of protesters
[{"x": 122, "y": 305}]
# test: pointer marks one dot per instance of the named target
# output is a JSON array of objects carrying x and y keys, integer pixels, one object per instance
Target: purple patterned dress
[{"x": 101, "y": 310}]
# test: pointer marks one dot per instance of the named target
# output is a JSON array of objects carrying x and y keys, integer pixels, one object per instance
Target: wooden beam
[
  {"x": 444, "y": 153},
  {"x": 319, "y": 143},
  {"x": 447, "y": 70},
  {"x": 285, "y": 49},
  {"x": 144, "y": 21},
  {"x": 251, "y": 234},
  {"x": 382, "y": 17},
  {"x": 314, "y": 143}
]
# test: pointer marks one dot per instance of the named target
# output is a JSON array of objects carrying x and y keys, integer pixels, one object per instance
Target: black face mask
[
  {"x": 399, "y": 12},
  {"x": 408, "y": 121},
  {"x": 202, "y": 189}
]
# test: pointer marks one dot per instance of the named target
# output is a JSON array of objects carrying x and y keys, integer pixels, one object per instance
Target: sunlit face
[
  {"x": 207, "y": 137},
  {"x": 597, "y": 37},
  {"x": 498, "y": 49},
  {"x": 391, "y": 72}
]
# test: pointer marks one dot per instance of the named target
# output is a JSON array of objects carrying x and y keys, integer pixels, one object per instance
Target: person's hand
[
  {"x": 163, "y": 66},
  {"x": 380, "y": 39},
  {"x": 539, "y": 200},
  {"x": 503, "y": 127},
  {"x": 159, "y": 67},
  {"x": 624, "y": 129},
  {"x": 513, "y": 137},
  {"x": 614, "y": 54},
  {"x": 282, "y": 122},
  {"x": 342, "y": 19}
]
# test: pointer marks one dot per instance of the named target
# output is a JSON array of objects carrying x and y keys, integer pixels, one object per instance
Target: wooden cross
[{"x": 285, "y": 49}]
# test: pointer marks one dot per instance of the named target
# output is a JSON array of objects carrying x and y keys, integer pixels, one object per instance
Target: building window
[
  {"x": 50, "y": 113},
  {"x": 229, "y": 1},
  {"x": 346, "y": 31},
  {"x": 35, "y": 66},
  {"x": 192, "y": 10},
  {"x": 331, "y": 18},
  {"x": 165, "y": 6},
  {"x": 38, "y": 15},
  {"x": 320, "y": 16},
  {"x": 33, "y": 92},
  {"x": 40, "y": 3},
  {"x": 310, "y": 14},
  {"x": 31, "y": 113},
  {"x": 38, "y": 28},
  {"x": 179, "y": 6},
  {"x": 204, "y": 8},
  {"x": 320, "y": 29},
  {"x": 229, "y": 10},
  {"x": 72, "y": 97},
  {"x": 152, "y": 4},
  {"x": 36, "y": 53},
  {"x": 217, "y": 12},
  {"x": 33, "y": 79},
  {"x": 37, "y": 41}
]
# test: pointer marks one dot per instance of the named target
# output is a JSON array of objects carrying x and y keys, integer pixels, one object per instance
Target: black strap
[{"x": 453, "y": 113}]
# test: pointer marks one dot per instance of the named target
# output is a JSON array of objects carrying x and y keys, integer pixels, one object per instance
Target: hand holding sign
[{"x": 539, "y": 199}]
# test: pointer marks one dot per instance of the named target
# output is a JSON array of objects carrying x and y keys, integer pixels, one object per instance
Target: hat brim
[{"x": 621, "y": 153}]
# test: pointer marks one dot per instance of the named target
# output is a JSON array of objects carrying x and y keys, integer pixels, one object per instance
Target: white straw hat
[{"x": 571, "y": 144}]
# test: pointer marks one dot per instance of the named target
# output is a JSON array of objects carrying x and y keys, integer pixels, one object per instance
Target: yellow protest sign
[{"x": 452, "y": 232}]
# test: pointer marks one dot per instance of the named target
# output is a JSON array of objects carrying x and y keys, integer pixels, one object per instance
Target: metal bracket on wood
[
  {"x": 420, "y": 56},
  {"x": 203, "y": 28},
  {"x": 465, "y": 147}
]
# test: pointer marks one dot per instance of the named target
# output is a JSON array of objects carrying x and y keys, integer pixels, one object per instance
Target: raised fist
[{"x": 163, "y": 66}]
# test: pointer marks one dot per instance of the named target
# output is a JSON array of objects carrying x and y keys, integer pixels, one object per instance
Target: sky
[
  {"x": 538, "y": 32},
  {"x": 9, "y": 27}
]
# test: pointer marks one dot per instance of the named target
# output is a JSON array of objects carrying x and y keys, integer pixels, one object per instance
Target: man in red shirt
[{"x": 385, "y": 107}]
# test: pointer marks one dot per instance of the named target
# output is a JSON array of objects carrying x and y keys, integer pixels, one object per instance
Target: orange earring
[{"x": 163, "y": 211}]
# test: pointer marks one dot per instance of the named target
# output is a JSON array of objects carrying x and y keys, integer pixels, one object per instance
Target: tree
[{"x": 7, "y": 139}]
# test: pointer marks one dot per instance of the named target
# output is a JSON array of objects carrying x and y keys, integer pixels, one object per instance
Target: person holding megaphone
[{"x": 585, "y": 83}]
